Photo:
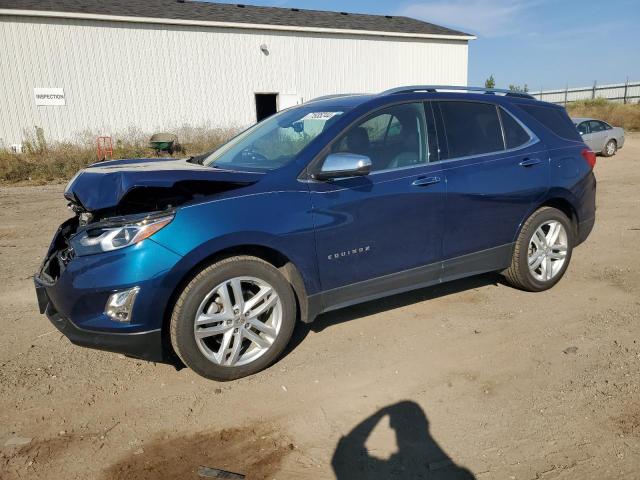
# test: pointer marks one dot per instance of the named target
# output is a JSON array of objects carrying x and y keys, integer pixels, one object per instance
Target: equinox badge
[{"x": 348, "y": 253}]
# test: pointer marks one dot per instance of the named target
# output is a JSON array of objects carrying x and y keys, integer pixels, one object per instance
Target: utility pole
[{"x": 626, "y": 87}]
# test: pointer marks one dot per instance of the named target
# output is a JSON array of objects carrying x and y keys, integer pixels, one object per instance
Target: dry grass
[
  {"x": 43, "y": 163},
  {"x": 617, "y": 114}
]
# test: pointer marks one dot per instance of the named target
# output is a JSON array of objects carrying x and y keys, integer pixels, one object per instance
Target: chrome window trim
[
  {"x": 530, "y": 143},
  {"x": 504, "y": 136},
  {"x": 400, "y": 169},
  {"x": 533, "y": 138}
]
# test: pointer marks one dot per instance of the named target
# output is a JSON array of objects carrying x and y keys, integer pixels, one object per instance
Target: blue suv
[{"x": 341, "y": 200}]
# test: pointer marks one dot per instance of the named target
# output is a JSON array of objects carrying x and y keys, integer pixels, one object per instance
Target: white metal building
[{"x": 106, "y": 65}]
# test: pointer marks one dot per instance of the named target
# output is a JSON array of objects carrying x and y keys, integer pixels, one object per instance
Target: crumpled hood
[{"x": 104, "y": 185}]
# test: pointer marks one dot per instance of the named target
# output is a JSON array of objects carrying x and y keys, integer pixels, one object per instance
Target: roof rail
[
  {"x": 436, "y": 88},
  {"x": 336, "y": 95}
]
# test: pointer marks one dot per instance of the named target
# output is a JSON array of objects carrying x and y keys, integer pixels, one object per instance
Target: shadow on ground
[
  {"x": 418, "y": 454},
  {"x": 381, "y": 305}
]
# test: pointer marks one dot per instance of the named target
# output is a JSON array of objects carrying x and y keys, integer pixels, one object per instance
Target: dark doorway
[{"x": 266, "y": 105}]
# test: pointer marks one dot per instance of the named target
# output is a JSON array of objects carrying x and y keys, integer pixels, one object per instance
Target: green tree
[
  {"x": 518, "y": 88},
  {"x": 490, "y": 82}
]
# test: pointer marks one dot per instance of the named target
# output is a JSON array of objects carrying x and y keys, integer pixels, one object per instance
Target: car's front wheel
[
  {"x": 542, "y": 251},
  {"x": 233, "y": 319}
]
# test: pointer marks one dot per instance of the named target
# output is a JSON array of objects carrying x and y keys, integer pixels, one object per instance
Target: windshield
[{"x": 275, "y": 141}]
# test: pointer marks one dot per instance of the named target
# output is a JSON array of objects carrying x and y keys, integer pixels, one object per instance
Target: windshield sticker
[{"x": 320, "y": 115}]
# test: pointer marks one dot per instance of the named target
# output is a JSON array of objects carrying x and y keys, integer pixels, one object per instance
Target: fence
[{"x": 628, "y": 92}]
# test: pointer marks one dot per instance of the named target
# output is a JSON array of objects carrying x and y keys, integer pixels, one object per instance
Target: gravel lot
[{"x": 470, "y": 379}]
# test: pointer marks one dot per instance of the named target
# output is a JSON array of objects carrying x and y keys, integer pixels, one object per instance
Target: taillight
[{"x": 589, "y": 156}]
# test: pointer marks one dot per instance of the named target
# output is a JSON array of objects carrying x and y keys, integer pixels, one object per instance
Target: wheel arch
[
  {"x": 565, "y": 207},
  {"x": 560, "y": 200},
  {"x": 269, "y": 254}
]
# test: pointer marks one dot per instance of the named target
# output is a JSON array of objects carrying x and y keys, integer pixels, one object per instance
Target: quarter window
[
  {"x": 393, "y": 138},
  {"x": 514, "y": 135},
  {"x": 471, "y": 128},
  {"x": 554, "y": 118}
]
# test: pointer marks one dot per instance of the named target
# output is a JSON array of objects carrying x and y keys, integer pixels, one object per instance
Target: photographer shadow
[{"x": 418, "y": 454}]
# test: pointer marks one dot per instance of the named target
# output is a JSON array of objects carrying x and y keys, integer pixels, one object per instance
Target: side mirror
[{"x": 339, "y": 165}]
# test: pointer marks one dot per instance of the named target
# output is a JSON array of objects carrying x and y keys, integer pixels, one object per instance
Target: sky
[{"x": 542, "y": 43}]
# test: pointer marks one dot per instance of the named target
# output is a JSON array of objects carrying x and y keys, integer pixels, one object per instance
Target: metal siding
[{"x": 146, "y": 77}]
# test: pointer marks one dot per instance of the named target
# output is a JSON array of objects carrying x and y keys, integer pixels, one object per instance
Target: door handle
[
  {"x": 425, "y": 181},
  {"x": 529, "y": 162}
]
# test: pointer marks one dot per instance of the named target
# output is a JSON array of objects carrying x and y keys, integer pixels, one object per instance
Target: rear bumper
[
  {"x": 144, "y": 345},
  {"x": 584, "y": 229}
]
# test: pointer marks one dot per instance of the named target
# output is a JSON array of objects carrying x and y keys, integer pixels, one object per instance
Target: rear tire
[
  {"x": 610, "y": 148},
  {"x": 542, "y": 251},
  {"x": 233, "y": 319}
]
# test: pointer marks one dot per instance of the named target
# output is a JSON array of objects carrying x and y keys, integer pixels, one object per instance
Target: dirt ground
[{"x": 470, "y": 379}]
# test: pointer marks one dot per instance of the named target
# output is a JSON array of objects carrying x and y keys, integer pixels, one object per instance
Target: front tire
[
  {"x": 542, "y": 251},
  {"x": 233, "y": 319},
  {"x": 610, "y": 148}
]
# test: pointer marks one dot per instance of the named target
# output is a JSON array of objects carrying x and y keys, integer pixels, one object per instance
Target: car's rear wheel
[
  {"x": 233, "y": 319},
  {"x": 542, "y": 251},
  {"x": 610, "y": 148}
]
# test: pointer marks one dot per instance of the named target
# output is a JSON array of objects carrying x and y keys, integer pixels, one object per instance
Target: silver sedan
[{"x": 600, "y": 136}]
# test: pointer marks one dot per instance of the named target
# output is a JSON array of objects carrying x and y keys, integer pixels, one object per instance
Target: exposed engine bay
[{"x": 138, "y": 206}]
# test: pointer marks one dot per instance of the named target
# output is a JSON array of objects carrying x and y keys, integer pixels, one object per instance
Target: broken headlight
[{"x": 116, "y": 233}]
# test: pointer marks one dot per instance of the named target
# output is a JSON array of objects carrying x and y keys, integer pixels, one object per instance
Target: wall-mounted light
[{"x": 264, "y": 49}]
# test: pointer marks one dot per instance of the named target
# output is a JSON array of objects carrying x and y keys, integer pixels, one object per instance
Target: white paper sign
[
  {"x": 324, "y": 116},
  {"x": 49, "y": 96}
]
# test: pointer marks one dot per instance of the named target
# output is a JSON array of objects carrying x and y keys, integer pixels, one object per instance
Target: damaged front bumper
[
  {"x": 143, "y": 345},
  {"x": 72, "y": 292}
]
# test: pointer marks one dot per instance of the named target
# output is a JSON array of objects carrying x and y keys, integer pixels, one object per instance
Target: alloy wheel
[
  {"x": 547, "y": 251},
  {"x": 238, "y": 321},
  {"x": 611, "y": 148}
]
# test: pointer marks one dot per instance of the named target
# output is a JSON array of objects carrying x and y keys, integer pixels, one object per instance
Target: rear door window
[
  {"x": 596, "y": 126},
  {"x": 471, "y": 128},
  {"x": 514, "y": 135},
  {"x": 555, "y": 119}
]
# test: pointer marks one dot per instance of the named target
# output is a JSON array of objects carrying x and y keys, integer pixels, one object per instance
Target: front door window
[{"x": 392, "y": 138}]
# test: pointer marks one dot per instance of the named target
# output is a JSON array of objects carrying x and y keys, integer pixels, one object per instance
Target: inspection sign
[{"x": 49, "y": 96}]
